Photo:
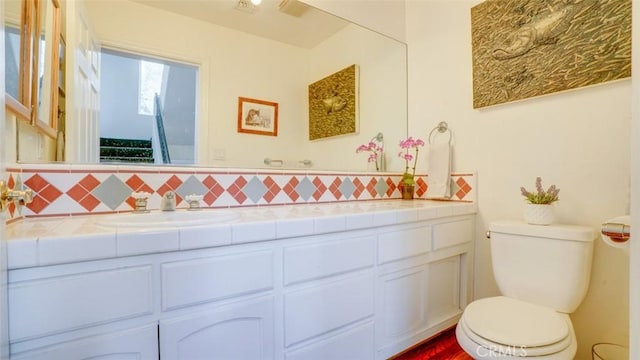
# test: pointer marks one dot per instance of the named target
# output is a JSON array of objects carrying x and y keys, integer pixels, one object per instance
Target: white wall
[
  {"x": 383, "y": 16},
  {"x": 577, "y": 140}
]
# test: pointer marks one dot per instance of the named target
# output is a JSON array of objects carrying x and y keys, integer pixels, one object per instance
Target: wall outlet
[{"x": 219, "y": 154}]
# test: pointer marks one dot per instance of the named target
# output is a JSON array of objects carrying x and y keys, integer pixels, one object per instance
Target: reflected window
[
  {"x": 150, "y": 85},
  {"x": 147, "y": 109},
  {"x": 12, "y": 60}
]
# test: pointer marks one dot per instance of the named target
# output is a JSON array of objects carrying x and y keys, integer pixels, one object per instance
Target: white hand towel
[{"x": 439, "y": 171}]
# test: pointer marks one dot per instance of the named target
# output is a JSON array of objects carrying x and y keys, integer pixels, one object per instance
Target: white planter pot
[{"x": 539, "y": 214}]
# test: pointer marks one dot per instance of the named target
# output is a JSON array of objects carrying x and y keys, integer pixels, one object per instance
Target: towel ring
[{"x": 442, "y": 127}]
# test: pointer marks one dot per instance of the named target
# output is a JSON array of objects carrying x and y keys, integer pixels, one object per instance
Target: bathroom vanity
[{"x": 350, "y": 280}]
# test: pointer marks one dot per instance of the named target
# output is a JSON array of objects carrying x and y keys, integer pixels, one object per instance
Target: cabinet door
[
  {"x": 401, "y": 308},
  {"x": 134, "y": 344},
  {"x": 237, "y": 331}
]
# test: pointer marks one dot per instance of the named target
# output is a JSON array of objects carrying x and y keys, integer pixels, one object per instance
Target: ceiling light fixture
[
  {"x": 256, "y": 2},
  {"x": 246, "y": 6}
]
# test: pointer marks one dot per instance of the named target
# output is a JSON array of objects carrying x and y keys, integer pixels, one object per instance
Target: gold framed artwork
[
  {"x": 257, "y": 117},
  {"x": 333, "y": 104},
  {"x": 523, "y": 49}
]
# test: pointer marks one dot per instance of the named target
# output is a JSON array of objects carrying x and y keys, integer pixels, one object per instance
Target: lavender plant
[{"x": 540, "y": 196}]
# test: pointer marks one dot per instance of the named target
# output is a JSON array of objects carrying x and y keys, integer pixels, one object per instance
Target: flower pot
[
  {"x": 539, "y": 214},
  {"x": 407, "y": 191}
]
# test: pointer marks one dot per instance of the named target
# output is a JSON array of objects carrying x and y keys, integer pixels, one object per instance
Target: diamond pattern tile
[
  {"x": 306, "y": 189},
  {"x": 37, "y": 205},
  {"x": 421, "y": 187},
  {"x": 100, "y": 188},
  {"x": 89, "y": 182},
  {"x": 36, "y": 183},
  {"x": 11, "y": 183},
  {"x": 214, "y": 190},
  {"x": 334, "y": 188},
  {"x": 391, "y": 187},
  {"x": 320, "y": 188},
  {"x": 50, "y": 193},
  {"x": 273, "y": 189},
  {"x": 89, "y": 202},
  {"x": 347, "y": 188},
  {"x": 191, "y": 186},
  {"x": 359, "y": 188},
  {"x": 372, "y": 188},
  {"x": 112, "y": 192},
  {"x": 464, "y": 188},
  {"x": 255, "y": 189},
  {"x": 138, "y": 185},
  {"x": 236, "y": 189},
  {"x": 290, "y": 188}
]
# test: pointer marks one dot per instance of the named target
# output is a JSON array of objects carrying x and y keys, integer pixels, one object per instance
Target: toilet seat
[{"x": 515, "y": 327}]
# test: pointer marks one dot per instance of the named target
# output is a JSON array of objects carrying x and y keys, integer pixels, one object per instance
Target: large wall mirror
[{"x": 267, "y": 53}]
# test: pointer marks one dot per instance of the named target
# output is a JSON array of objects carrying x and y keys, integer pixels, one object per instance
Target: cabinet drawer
[
  {"x": 208, "y": 279},
  {"x": 452, "y": 233},
  {"x": 354, "y": 344},
  {"x": 52, "y": 305},
  {"x": 133, "y": 344},
  {"x": 402, "y": 244},
  {"x": 314, "y": 261},
  {"x": 243, "y": 330},
  {"x": 321, "y": 309}
]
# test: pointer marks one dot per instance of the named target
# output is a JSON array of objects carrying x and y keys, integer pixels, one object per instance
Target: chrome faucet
[
  {"x": 168, "y": 202},
  {"x": 141, "y": 199}
]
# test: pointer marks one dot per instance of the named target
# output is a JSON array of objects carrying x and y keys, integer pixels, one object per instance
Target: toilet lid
[{"x": 513, "y": 322}]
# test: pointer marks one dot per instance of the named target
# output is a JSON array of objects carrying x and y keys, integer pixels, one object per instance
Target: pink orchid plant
[
  {"x": 374, "y": 150},
  {"x": 406, "y": 146}
]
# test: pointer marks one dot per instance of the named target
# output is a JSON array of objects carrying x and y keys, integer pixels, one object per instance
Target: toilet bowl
[
  {"x": 543, "y": 273},
  {"x": 504, "y": 328}
]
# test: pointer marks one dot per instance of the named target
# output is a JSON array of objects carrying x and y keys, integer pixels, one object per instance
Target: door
[
  {"x": 4, "y": 323},
  {"x": 83, "y": 87}
]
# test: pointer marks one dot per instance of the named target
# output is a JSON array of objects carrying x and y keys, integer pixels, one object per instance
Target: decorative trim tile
[{"x": 83, "y": 189}]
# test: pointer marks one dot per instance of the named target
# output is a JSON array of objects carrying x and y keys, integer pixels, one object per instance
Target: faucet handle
[
  {"x": 194, "y": 201},
  {"x": 20, "y": 197},
  {"x": 141, "y": 199}
]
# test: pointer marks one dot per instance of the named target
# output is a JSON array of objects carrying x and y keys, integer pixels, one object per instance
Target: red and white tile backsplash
[{"x": 79, "y": 189}]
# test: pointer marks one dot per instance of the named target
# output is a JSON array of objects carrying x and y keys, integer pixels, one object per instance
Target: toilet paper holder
[{"x": 617, "y": 232}]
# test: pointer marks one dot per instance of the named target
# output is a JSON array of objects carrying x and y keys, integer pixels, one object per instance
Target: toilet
[{"x": 543, "y": 274}]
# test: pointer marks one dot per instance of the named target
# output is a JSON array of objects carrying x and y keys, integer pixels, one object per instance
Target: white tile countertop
[{"x": 57, "y": 240}]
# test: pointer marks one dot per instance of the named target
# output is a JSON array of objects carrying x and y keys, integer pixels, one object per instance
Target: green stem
[{"x": 415, "y": 162}]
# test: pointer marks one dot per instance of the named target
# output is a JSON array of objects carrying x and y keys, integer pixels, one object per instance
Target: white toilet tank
[{"x": 545, "y": 265}]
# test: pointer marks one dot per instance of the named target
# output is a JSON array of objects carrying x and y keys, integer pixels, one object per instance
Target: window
[
  {"x": 147, "y": 104},
  {"x": 150, "y": 85}
]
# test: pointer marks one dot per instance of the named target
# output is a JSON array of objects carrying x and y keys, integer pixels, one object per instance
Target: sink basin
[{"x": 164, "y": 219}]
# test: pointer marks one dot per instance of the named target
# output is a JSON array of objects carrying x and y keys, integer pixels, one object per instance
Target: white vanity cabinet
[
  {"x": 423, "y": 282},
  {"x": 358, "y": 294}
]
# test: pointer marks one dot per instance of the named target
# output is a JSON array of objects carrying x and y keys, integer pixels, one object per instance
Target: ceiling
[{"x": 296, "y": 23}]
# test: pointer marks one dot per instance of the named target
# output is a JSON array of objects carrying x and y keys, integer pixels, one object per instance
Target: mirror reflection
[
  {"x": 12, "y": 11},
  {"x": 45, "y": 82},
  {"x": 233, "y": 63}
]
